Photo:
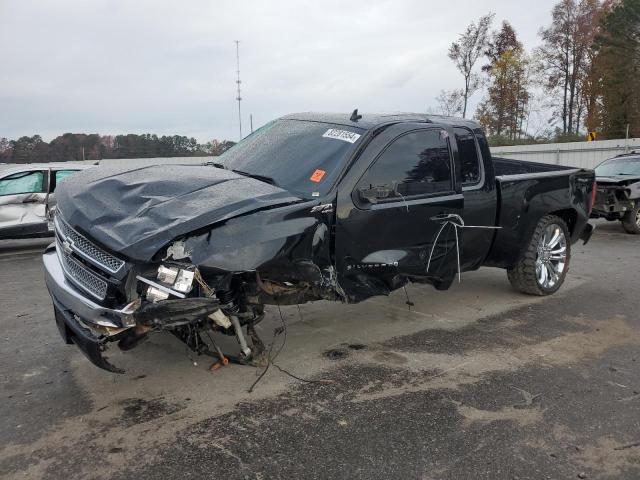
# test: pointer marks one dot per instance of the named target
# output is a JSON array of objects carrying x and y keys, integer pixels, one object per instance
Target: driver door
[
  {"x": 385, "y": 225},
  {"x": 23, "y": 204}
]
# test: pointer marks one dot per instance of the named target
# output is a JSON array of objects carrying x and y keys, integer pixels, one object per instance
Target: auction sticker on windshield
[{"x": 343, "y": 135}]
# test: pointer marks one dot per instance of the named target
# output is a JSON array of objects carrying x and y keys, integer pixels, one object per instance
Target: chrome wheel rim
[
  {"x": 638, "y": 218},
  {"x": 552, "y": 256}
]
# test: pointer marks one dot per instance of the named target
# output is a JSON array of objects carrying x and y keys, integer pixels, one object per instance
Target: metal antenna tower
[{"x": 239, "y": 97}]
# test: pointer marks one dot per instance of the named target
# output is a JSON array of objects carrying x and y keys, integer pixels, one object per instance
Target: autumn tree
[
  {"x": 565, "y": 62},
  {"x": 617, "y": 65},
  {"x": 466, "y": 52},
  {"x": 590, "y": 98},
  {"x": 499, "y": 42},
  {"x": 504, "y": 109}
]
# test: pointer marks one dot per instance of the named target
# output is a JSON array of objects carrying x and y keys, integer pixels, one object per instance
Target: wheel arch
[{"x": 570, "y": 217}]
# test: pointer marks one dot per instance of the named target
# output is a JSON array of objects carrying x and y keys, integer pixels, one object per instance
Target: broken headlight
[
  {"x": 179, "y": 279},
  {"x": 155, "y": 294},
  {"x": 167, "y": 275},
  {"x": 171, "y": 281}
]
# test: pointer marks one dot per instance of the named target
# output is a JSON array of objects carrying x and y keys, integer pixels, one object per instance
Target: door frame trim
[{"x": 416, "y": 201}]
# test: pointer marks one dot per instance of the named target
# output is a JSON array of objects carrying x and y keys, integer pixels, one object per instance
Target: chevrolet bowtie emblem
[{"x": 66, "y": 246}]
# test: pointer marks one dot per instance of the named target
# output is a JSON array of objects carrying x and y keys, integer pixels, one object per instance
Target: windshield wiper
[
  {"x": 214, "y": 164},
  {"x": 262, "y": 178}
]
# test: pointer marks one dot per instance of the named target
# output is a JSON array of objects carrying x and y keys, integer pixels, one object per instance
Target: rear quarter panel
[{"x": 525, "y": 199}]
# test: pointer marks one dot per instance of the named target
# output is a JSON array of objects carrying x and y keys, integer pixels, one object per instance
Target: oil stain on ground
[{"x": 138, "y": 410}]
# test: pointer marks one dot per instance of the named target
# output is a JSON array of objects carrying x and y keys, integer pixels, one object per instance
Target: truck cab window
[
  {"x": 469, "y": 156},
  {"x": 25, "y": 182},
  {"x": 417, "y": 163}
]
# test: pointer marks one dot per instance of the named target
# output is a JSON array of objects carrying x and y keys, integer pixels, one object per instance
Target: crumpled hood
[{"x": 135, "y": 212}]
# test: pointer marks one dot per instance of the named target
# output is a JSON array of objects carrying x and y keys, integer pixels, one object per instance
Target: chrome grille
[
  {"x": 87, "y": 249},
  {"x": 81, "y": 275}
]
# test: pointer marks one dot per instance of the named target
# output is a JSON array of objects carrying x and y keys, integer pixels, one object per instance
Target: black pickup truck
[
  {"x": 618, "y": 196},
  {"x": 309, "y": 207}
]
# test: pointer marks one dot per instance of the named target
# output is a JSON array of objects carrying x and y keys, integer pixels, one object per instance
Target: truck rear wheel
[
  {"x": 631, "y": 221},
  {"x": 543, "y": 266}
]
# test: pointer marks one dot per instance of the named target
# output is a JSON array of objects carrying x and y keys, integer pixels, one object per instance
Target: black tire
[
  {"x": 523, "y": 274},
  {"x": 631, "y": 221}
]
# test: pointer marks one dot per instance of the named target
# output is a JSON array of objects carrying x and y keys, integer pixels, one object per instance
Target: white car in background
[{"x": 27, "y": 197}]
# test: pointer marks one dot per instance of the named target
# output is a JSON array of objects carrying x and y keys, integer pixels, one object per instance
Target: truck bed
[{"x": 507, "y": 166}]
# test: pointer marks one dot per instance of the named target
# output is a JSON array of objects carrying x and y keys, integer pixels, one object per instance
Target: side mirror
[{"x": 373, "y": 194}]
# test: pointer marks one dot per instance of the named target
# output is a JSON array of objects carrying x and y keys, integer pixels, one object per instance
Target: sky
[{"x": 153, "y": 66}]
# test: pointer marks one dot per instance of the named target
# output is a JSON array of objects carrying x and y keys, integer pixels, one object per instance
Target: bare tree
[
  {"x": 465, "y": 54},
  {"x": 450, "y": 103}
]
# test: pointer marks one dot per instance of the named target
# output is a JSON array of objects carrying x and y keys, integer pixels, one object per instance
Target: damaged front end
[
  {"x": 172, "y": 298},
  {"x": 92, "y": 327},
  {"x": 615, "y": 197},
  {"x": 215, "y": 280}
]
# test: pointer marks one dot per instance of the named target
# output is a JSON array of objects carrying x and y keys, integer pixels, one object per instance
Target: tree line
[
  {"x": 79, "y": 146},
  {"x": 585, "y": 73}
]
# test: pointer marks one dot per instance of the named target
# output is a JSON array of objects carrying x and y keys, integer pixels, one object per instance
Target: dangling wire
[
  {"x": 286, "y": 372},
  {"x": 187, "y": 348},
  {"x": 266, "y": 369},
  {"x": 404, "y": 200},
  {"x": 271, "y": 359},
  {"x": 208, "y": 291},
  {"x": 406, "y": 294},
  {"x": 457, "y": 222}
]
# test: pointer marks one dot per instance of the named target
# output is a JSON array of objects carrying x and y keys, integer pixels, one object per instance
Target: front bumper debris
[
  {"x": 90, "y": 344},
  {"x": 92, "y": 327},
  {"x": 79, "y": 319}
]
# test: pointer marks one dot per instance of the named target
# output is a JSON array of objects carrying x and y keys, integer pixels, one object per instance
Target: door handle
[{"x": 442, "y": 217}]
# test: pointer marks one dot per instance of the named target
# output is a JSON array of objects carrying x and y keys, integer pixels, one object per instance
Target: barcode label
[{"x": 343, "y": 135}]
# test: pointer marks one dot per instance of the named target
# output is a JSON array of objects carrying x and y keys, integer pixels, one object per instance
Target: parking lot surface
[{"x": 476, "y": 382}]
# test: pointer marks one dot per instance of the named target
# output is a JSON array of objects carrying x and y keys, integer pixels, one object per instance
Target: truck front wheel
[
  {"x": 631, "y": 221},
  {"x": 544, "y": 264}
]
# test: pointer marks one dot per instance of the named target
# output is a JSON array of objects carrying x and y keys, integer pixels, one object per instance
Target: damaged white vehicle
[{"x": 27, "y": 197}]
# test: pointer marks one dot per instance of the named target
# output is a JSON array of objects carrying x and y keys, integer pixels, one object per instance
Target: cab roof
[{"x": 373, "y": 120}]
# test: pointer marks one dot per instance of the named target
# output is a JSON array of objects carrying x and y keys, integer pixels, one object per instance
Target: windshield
[
  {"x": 302, "y": 157},
  {"x": 619, "y": 166}
]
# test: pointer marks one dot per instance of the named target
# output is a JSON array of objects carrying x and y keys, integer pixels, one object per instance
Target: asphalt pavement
[{"x": 476, "y": 382}]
